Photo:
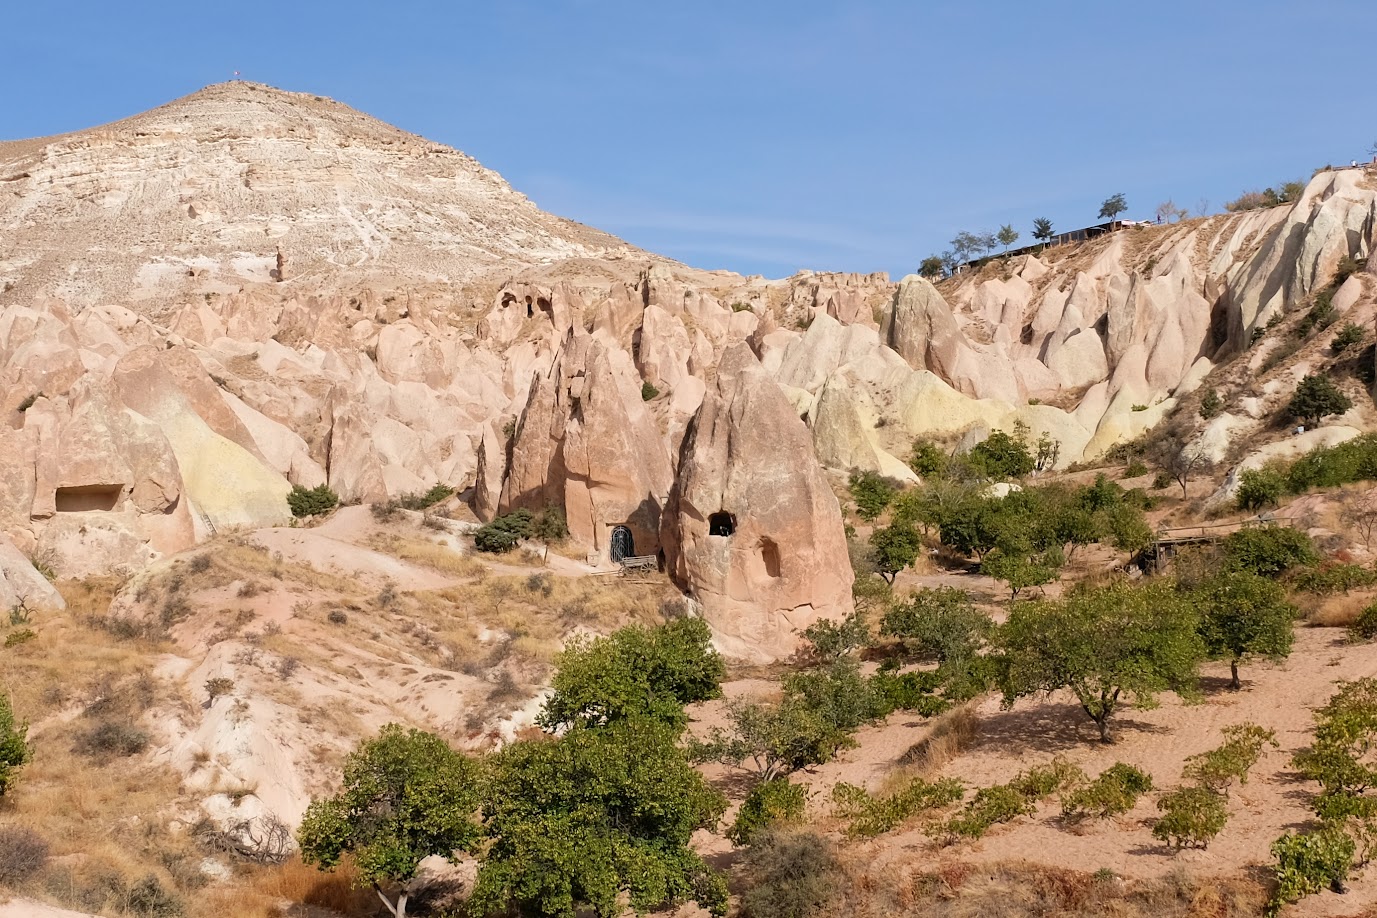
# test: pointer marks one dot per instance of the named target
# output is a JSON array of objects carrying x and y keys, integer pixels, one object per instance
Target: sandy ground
[{"x": 1158, "y": 740}]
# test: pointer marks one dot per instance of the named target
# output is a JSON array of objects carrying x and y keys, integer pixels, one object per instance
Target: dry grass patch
[
  {"x": 952, "y": 733},
  {"x": 959, "y": 890},
  {"x": 427, "y": 554}
]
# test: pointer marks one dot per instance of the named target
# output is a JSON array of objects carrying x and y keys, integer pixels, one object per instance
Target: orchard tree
[
  {"x": 1243, "y": 615},
  {"x": 939, "y": 623},
  {"x": 406, "y": 795},
  {"x": 1007, "y": 236},
  {"x": 635, "y": 672},
  {"x": 896, "y": 547},
  {"x": 1021, "y": 570},
  {"x": 580, "y": 820},
  {"x": 1105, "y": 644},
  {"x": 1042, "y": 230},
  {"x": 1317, "y": 397},
  {"x": 1112, "y": 207}
]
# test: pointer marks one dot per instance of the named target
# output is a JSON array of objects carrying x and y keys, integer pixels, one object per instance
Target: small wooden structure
[
  {"x": 1169, "y": 541},
  {"x": 640, "y": 564}
]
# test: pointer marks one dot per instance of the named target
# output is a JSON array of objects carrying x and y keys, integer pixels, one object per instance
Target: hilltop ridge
[{"x": 199, "y": 195}]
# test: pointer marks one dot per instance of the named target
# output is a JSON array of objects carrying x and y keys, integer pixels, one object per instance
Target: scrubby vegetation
[
  {"x": 505, "y": 532},
  {"x": 311, "y": 501}
]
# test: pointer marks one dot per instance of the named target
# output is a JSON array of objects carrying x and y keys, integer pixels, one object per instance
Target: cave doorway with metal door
[{"x": 623, "y": 545}]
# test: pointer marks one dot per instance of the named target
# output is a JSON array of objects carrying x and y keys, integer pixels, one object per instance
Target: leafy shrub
[
  {"x": 1269, "y": 550},
  {"x": 1260, "y": 488},
  {"x": 870, "y": 816},
  {"x": 110, "y": 739},
  {"x": 1043, "y": 781},
  {"x": 791, "y": 875},
  {"x": 14, "y": 746},
  {"x": 1329, "y": 579},
  {"x": 941, "y": 624},
  {"x": 1211, "y": 405},
  {"x": 23, "y": 853},
  {"x": 1140, "y": 408},
  {"x": 767, "y": 805},
  {"x": 1348, "y": 336},
  {"x": 1364, "y": 627},
  {"x": 1113, "y": 793},
  {"x": 832, "y": 640},
  {"x": 23, "y": 635},
  {"x": 337, "y": 617},
  {"x": 1232, "y": 760},
  {"x": 311, "y": 501},
  {"x": 648, "y": 391},
  {"x": 989, "y": 807},
  {"x": 872, "y": 493},
  {"x": 1345, "y": 732},
  {"x": 1191, "y": 817},
  {"x": 503, "y": 533},
  {"x": 927, "y": 460},
  {"x": 1309, "y": 862},
  {"x": 1320, "y": 316},
  {"x": 909, "y": 691},
  {"x": 1135, "y": 469}
]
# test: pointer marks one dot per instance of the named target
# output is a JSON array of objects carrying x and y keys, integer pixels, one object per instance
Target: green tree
[
  {"x": 896, "y": 547},
  {"x": 14, "y": 746},
  {"x": 872, "y": 493},
  {"x": 831, "y": 640},
  {"x": 1243, "y": 614},
  {"x": 1007, "y": 236},
  {"x": 636, "y": 672},
  {"x": 1105, "y": 644},
  {"x": 1020, "y": 570},
  {"x": 927, "y": 460},
  {"x": 406, "y": 796},
  {"x": 932, "y": 267},
  {"x": 1269, "y": 550},
  {"x": 1260, "y": 488},
  {"x": 939, "y": 623},
  {"x": 1113, "y": 206},
  {"x": 771, "y": 739},
  {"x": 1317, "y": 397},
  {"x": 1001, "y": 456},
  {"x": 580, "y": 819},
  {"x": 1042, "y": 230}
]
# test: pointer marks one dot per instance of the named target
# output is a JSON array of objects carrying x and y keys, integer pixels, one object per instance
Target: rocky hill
[{"x": 202, "y": 195}]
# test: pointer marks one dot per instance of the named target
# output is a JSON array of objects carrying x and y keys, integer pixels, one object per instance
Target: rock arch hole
[
  {"x": 87, "y": 497},
  {"x": 622, "y": 545},
  {"x": 769, "y": 554},
  {"x": 721, "y": 523}
]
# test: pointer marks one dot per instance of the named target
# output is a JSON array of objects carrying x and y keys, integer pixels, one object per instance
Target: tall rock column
[{"x": 751, "y": 530}]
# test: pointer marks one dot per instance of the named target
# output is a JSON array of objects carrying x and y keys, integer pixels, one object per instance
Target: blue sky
[{"x": 766, "y": 137}]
